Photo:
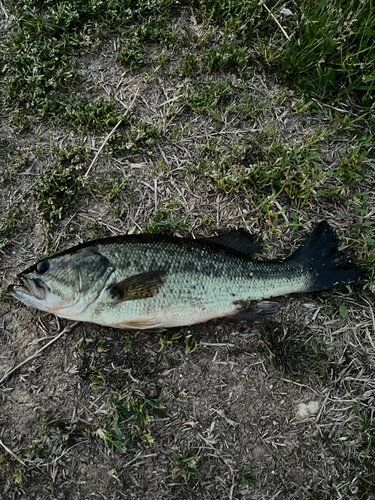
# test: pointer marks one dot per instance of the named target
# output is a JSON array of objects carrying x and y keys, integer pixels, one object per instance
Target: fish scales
[
  {"x": 201, "y": 283},
  {"x": 155, "y": 281}
]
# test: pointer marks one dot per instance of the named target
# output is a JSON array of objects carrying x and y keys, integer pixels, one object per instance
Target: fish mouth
[{"x": 31, "y": 287}]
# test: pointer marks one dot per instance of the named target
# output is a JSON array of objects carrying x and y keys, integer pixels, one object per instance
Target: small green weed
[
  {"x": 114, "y": 145},
  {"x": 207, "y": 221},
  {"x": 164, "y": 220},
  {"x": 367, "y": 267},
  {"x": 369, "y": 432},
  {"x": 188, "y": 63},
  {"x": 109, "y": 187},
  {"x": 99, "y": 115},
  {"x": 31, "y": 451},
  {"x": 266, "y": 347},
  {"x": 351, "y": 168},
  {"x": 228, "y": 53},
  {"x": 336, "y": 308},
  {"x": 116, "y": 476},
  {"x": 185, "y": 467},
  {"x": 286, "y": 168},
  {"x": 248, "y": 477},
  {"x": 225, "y": 173},
  {"x": 46, "y": 420},
  {"x": 19, "y": 477},
  {"x": 367, "y": 429},
  {"x": 98, "y": 380},
  {"x": 16, "y": 164},
  {"x": 130, "y": 417},
  {"x": 9, "y": 224},
  {"x": 167, "y": 339},
  {"x": 191, "y": 345},
  {"x": 66, "y": 432},
  {"x": 130, "y": 341},
  {"x": 251, "y": 107},
  {"x": 142, "y": 135},
  {"x": 201, "y": 100},
  {"x": 132, "y": 54},
  {"x": 56, "y": 189},
  {"x": 93, "y": 228}
]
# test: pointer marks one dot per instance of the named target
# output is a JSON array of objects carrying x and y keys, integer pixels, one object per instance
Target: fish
[{"x": 151, "y": 282}]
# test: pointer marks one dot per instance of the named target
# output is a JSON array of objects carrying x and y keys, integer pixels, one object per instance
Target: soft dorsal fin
[
  {"x": 139, "y": 286},
  {"x": 238, "y": 240}
]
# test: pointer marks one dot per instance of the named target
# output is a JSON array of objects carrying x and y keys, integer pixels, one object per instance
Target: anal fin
[
  {"x": 258, "y": 312},
  {"x": 142, "y": 324}
]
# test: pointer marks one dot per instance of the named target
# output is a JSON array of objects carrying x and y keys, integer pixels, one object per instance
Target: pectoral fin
[
  {"x": 258, "y": 312},
  {"x": 139, "y": 286}
]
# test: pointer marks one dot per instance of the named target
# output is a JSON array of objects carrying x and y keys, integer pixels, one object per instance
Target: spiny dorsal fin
[
  {"x": 238, "y": 240},
  {"x": 139, "y": 286}
]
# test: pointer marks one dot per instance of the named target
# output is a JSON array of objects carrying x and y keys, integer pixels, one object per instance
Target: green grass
[
  {"x": 9, "y": 224},
  {"x": 352, "y": 169},
  {"x": 109, "y": 187},
  {"x": 241, "y": 18},
  {"x": 165, "y": 220},
  {"x": 56, "y": 189},
  {"x": 266, "y": 165},
  {"x": 142, "y": 136},
  {"x": 185, "y": 467},
  {"x": 39, "y": 57},
  {"x": 248, "y": 477},
  {"x": 333, "y": 49},
  {"x": 330, "y": 51},
  {"x": 204, "y": 99},
  {"x": 168, "y": 338},
  {"x": 128, "y": 422},
  {"x": 285, "y": 168}
]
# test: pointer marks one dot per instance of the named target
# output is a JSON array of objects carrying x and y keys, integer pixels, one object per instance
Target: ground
[{"x": 277, "y": 409}]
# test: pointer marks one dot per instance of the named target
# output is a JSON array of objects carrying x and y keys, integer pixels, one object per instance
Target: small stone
[{"x": 305, "y": 410}]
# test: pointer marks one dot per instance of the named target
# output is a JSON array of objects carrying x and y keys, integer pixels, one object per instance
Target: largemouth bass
[{"x": 152, "y": 281}]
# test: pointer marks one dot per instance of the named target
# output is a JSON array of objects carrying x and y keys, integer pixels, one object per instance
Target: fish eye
[{"x": 42, "y": 267}]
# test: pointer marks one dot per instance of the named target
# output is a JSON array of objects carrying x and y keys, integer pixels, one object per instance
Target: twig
[
  {"x": 11, "y": 453},
  {"x": 156, "y": 193},
  {"x": 102, "y": 146},
  {"x": 300, "y": 385},
  {"x": 132, "y": 101},
  {"x": 373, "y": 325},
  {"x": 276, "y": 21},
  {"x": 66, "y": 330},
  {"x": 4, "y": 11},
  {"x": 111, "y": 132}
]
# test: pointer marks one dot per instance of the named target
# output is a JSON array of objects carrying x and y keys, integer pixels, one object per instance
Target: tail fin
[{"x": 327, "y": 268}]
